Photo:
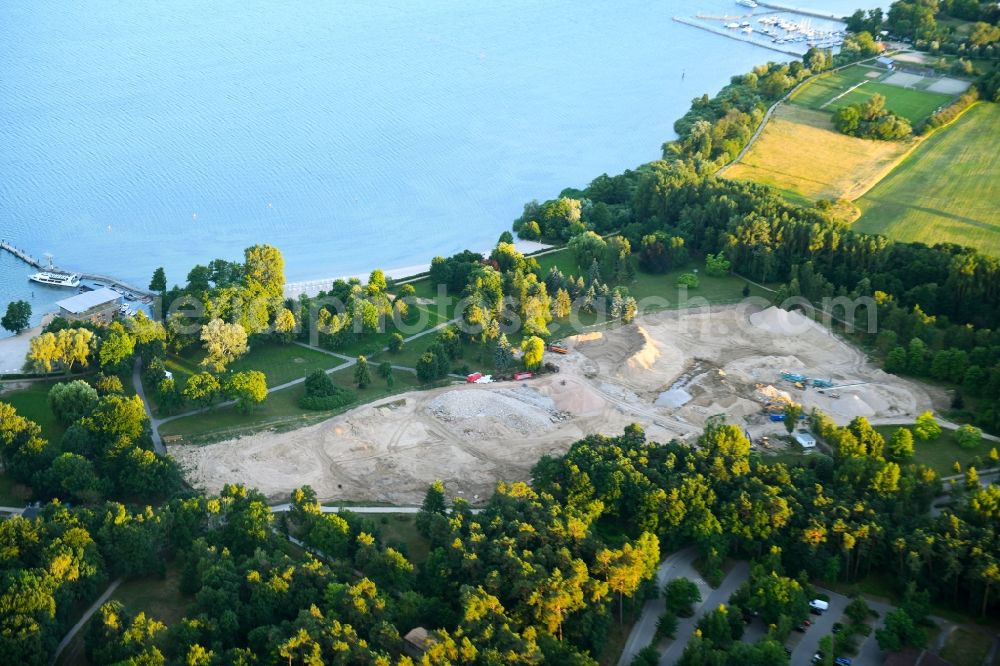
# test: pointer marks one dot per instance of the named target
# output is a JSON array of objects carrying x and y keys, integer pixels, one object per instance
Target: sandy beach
[
  {"x": 312, "y": 287},
  {"x": 14, "y": 349}
]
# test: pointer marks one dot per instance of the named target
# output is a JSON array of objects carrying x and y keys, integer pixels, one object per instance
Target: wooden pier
[
  {"x": 107, "y": 279},
  {"x": 800, "y": 10},
  {"x": 20, "y": 254},
  {"x": 738, "y": 37}
]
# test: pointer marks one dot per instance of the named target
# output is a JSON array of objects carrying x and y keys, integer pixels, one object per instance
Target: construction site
[{"x": 669, "y": 372}]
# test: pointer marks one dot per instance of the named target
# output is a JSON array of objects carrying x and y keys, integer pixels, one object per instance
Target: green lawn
[
  {"x": 399, "y": 530},
  {"x": 160, "y": 598},
  {"x": 941, "y": 453},
  {"x": 914, "y": 105},
  {"x": 966, "y": 647},
  {"x": 32, "y": 403},
  {"x": 947, "y": 190},
  {"x": 280, "y": 363},
  {"x": 284, "y": 363},
  {"x": 12, "y": 493},
  {"x": 409, "y": 354},
  {"x": 157, "y": 598},
  {"x": 825, "y": 88},
  {"x": 279, "y": 412}
]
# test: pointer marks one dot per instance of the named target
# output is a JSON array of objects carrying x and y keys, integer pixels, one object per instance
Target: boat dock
[
  {"x": 799, "y": 10},
  {"x": 106, "y": 279},
  {"x": 737, "y": 36},
  {"x": 20, "y": 254}
]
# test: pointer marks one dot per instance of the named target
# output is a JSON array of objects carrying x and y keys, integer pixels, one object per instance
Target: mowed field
[
  {"x": 824, "y": 89},
  {"x": 912, "y": 102},
  {"x": 801, "y": 154},
  {"x": 914, "y": 105},
  {"x": 947, "y": 190}
]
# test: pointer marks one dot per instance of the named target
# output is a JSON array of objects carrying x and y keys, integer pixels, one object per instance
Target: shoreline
[{"x": 400, "y": 274}]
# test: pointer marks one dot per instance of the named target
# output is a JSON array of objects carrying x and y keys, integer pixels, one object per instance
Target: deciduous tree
[
  {"x": 17, "y": 317},
  {"x": 223, "y": 343},
  {"x": 247, "y": 388}
]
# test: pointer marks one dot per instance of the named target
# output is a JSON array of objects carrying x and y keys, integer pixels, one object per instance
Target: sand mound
[
  {"x": 768, "y": 394},
  {"x": 647, "y": 354},
  {"x": 632, "y": 355},
  {"x": 588, "y": 337},
  {"x": 781, "y": 322},
  {"x": 573, "y": 396}
]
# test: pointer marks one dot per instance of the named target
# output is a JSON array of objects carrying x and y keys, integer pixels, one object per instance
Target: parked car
[
  {"x": 842, "y": 661},
  {"x": 817, "y": 606}
]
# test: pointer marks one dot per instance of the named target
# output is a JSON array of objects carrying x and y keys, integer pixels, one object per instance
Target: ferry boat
[{"x": 56, "y": 279}]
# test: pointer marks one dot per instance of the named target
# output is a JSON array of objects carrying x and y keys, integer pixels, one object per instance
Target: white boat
[
  {"x": 747, "y": 3},
  {"x": 56, "y": 279},
  {"x": 732, "y": 26},
  {"x": 748, "y": 30}
]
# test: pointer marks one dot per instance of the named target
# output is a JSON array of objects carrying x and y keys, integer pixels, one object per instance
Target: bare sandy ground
[
  {"x": 14, "y": 348},
  {"x": 697, "y": 364}
]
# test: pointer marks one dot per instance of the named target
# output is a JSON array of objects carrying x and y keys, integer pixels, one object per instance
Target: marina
[
  {"x": 776, "y": 27},
  {"x": 739, "y": 36},
  {"x": 52, "y": 275}
]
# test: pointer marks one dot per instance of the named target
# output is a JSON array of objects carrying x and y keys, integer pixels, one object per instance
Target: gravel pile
[{"x": 520, "y": 409}]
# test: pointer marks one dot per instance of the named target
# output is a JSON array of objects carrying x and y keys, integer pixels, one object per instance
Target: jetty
[
  {"x": 20, "y": 254},
  {"x": 737, "y": 36},
  {"x": 800, "y": 10},
  {"x": 27, "y": 258}
]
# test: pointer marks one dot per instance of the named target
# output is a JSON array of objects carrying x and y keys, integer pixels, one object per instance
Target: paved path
[
  {"x": 83, "y": 620},
  {"x": 153, "y": 424},
  {"x": 678, "y": 565},
  {"x": 281, "y": 508},
  {"x": 322, "y": 351},
  {"x": 156, "y": 423},
  {"x": 720, "y": 595},
  {"x": 774, "y": 107},
  {"x": 348, "y": 362}
]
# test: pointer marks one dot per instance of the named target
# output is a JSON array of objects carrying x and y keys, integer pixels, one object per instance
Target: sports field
[
  {"x": 905, "y": 94},
  {"x": 914, "y": 105},
  {"x": 825, "y": 88},
  {"x": 947, "y": 190},
  {"x": 801, "y": 154}
]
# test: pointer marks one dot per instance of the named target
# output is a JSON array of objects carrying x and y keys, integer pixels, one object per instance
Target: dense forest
[{"x": 539, "y": 575}]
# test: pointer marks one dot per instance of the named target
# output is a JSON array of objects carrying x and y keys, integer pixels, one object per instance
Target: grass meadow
[
  {"x": 801, "y": 154},
  {"x": 914, "y": 105},
  {"x": 947, "y": 190}
]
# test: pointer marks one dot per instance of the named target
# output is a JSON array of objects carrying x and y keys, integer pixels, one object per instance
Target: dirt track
[{"x": 724, "y": 360}]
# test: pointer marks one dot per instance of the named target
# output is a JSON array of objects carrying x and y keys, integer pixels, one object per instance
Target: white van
[{"x": 819, "y": 605}]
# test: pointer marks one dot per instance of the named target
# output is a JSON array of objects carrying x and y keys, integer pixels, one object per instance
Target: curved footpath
[
  {"x": 84, "y": 619},
  {"x": 774, "y": 107}
]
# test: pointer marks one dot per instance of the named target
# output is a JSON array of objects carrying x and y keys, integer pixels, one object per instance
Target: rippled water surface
[{"x": 349, "y": 134}]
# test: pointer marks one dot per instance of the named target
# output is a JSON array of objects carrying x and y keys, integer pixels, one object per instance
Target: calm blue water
[{"x": 349, "y": 134}]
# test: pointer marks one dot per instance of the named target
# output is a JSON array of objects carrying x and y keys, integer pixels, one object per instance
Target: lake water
[{"x": 349, "y": 134}]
